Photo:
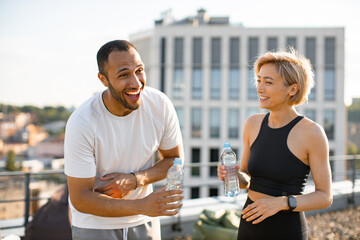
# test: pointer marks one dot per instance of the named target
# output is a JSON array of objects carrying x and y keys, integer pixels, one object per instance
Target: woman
[{"x": 280, "y": 149}]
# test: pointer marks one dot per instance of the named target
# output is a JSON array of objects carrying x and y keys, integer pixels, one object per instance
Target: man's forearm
[
  {"x": 102, "y": 205},
  {"x": 155, "y": 173}
]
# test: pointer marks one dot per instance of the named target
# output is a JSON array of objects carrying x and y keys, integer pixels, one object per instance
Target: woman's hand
[
  {"x": 264, "y": 208},
  {"x": 222, "y": 171}
]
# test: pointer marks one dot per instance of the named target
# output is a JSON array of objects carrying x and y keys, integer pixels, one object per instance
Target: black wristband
[{"x": 135, "y": 180}]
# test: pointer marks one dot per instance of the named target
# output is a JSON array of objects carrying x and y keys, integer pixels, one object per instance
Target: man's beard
[{"x": 120, "y": 99}]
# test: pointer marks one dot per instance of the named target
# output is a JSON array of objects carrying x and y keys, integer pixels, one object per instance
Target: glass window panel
[
  {"x": 253, "y": 50},
  {"x": 291, "y": 42},
  {"x": 197, "y": 52},
  {"x": 179, "y": 52},
  {"x": 329, "y": 123},
  {"x": 179, "y": 83},
  {"x": 215, "y": 52},
  {"x": 329, "y": 84},
  {"x": 214, "y": 122},
  {"x": 234, "y": 83},
  {"x": 195, "y": 192},
  {"x": 195, "y": 158},
  {"x": 196, "y": 122},
  {"x": 312, "y": 95},
  {"x": 330, "y": 52},
  {"x": 181, "y": 117},
  {"x": 272, "y": 44},
  {"x": 214, "y": 157},
  {"x": 310, "y": 50},
  {"x": 213, "y": 191},
  {"x": 215, "y": 84},
  {"x": 252, "y": 92},
  {"x": 234, "y": 52},
  {"x": 233, "y": 123},
  {"x": 197, "y": 83}
]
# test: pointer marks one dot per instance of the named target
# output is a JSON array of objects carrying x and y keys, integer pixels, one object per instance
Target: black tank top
[{"x": 273, "y": 168}]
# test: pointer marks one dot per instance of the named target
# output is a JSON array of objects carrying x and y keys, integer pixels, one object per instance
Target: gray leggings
[{"x": 149, "y": 230}]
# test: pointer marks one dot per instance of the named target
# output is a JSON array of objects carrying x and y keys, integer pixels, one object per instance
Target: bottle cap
[
  {"x": 177, "y": 161},
  {"x": 227, "y": 145}
]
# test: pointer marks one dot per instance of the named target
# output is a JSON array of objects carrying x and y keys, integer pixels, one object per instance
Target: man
[{"x": 109, "y": 143}]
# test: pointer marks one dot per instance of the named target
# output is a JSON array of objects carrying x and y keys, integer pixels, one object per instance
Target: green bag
[{"x": 220, "y": 224}]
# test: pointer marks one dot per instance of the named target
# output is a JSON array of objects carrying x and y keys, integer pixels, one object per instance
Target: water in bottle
[
  {"x": 175, "y": 175},
  {"x": 231, "y": 182}
]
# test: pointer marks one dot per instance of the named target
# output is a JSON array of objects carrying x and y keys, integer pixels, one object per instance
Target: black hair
[{"x": 104, "y": 52}]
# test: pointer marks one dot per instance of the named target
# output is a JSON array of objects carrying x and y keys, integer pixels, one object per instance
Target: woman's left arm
[{"x": 318, "y": 152}]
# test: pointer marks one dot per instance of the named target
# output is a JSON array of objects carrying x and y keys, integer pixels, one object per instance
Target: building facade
[{"x": 205, "y": 65}]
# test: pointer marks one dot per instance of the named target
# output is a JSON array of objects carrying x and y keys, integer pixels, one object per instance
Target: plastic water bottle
[
  {"x": 175, "y": 175},
  {"x": 231, "y": 182}
]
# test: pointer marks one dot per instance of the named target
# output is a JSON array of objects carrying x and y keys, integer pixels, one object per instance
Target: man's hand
[
  {"x": 116, "y": 185},
  {"x": 162, "y": 203}
]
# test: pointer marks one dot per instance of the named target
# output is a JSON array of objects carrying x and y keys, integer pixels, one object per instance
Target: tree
[{"x": 10, "y": 161}]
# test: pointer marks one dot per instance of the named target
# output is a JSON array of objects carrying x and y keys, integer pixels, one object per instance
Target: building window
[
  {"x": 178, "y": 78},
  {"x": 197, "y": 69},
  {"x": 162, "y": 64},
  {"x": 329, "y": 123},
  {"x": 329, "y": 69},
  {"x": 311, "y": 114},
  {"x": 310, "y": 52},
  {"x": 197, "y": 83},
  {"x": 233, "y": 123},
  {"x": 272, "y": 44},
  {"x": 195, "y": 192},
  {"x": 179, "y": 52},
  {"x": 329, "y": 84},
  {"x": 234, "y": 52},
  {"x": 215, "y": 78},
  {"x": 291, "y": 43},
  {"x": 215, "y": 52},
  {"x": 195, "y": 158},
  {"x": 252, "y": 91},
  {"x": 196, "y": 122},
  {"x": 214, "y": 158},
  {"x": 234, "y": 74},
  {"x": 213, "y": 192},
  {"x": 179, "y": 83},
  {"x": 197, "y": 52},
  {"x": 330, "y": 52},
  {"x": 215, "y": 83},
  {"x": 180, "y": 115},
  {"x": 253, "y": 51},
  {"x": 234, "y": 83},
  {"x": 214, "y": 123}
]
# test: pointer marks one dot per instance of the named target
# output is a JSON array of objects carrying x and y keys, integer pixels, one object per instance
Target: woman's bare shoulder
[
  {"x": 255, "y": 120},
  {"x": 312, "y": 130}
]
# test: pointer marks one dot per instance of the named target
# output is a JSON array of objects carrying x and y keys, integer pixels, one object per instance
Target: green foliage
[
  {"x": 352, "y": 149},
  {"x": 10, "y": 161},
  {"x": 42, "y": 115},
  {"x": 354, "y": 111}
]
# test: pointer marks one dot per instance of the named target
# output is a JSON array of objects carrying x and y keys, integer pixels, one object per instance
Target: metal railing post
[{"x": 27, "y": 198}]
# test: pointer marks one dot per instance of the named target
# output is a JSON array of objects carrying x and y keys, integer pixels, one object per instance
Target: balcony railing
[{"x": 343, "y": 168}]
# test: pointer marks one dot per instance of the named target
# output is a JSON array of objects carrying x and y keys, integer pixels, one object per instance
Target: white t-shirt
[{"x": 98, "y": 142}]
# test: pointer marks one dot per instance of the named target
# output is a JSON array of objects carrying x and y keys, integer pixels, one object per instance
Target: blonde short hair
[{"x": 293, "y": 68}]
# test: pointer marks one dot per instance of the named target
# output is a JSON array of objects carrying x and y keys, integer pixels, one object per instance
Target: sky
[{"x": 48, "y": 47}]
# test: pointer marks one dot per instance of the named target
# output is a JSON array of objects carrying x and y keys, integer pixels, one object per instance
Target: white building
[{"x": 204, "y": 64}]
